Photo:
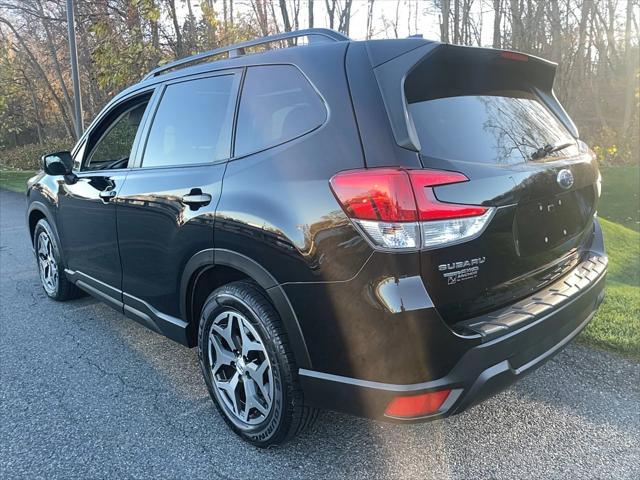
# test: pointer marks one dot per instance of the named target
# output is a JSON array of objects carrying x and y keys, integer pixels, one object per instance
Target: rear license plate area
[{"x": 546, "y": 223}]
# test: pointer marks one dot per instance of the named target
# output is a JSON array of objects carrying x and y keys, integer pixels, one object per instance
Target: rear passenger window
[
  {"x": 192, "y": 124},
  {"x": 277, "y": 105}
]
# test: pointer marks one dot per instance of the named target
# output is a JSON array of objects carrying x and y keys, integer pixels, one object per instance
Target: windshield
[{"x": 501, "y": 128}]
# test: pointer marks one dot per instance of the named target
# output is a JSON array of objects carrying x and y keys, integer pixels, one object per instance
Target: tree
[
  {"x": 444, "y": 24},
  {"x": 285, "y": 15},
  {"x": 497, "y": 23},
  {"x": 370, "y": 18},
  {"x": 596, "y": 44}
]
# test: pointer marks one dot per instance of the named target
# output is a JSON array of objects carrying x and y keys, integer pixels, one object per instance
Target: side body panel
[
  {"x": 380, "y": 148},
  {"x": 277, "y": 208},
  {"x": 159, "y": 233},
  {"x": 87, "y": 226},
  {"x": 86, "y": 208},
  {"x": 166, "y": 208}
]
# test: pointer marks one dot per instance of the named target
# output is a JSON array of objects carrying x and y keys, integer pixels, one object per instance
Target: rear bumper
[{"x": 486, "y": 368}]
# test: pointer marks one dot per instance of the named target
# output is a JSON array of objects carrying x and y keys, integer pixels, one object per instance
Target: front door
[
  {"x": 165, "y": 210},
  {"x": 87, "y": 213}
]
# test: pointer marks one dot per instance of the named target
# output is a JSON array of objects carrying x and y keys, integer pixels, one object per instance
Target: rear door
[
  {"x": 166, "y": 207},
  {"x": 492, "y": 116}
]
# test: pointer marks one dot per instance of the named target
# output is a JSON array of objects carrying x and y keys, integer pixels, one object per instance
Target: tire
[
  {"x": 50, "y": 264},
  {"x": 273, "y": 410}
]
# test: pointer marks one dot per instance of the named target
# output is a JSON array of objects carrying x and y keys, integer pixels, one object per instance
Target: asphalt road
[{"x": 87, "y": 393}]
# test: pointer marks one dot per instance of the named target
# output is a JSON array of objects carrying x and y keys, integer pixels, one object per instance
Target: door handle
[
  {"x": 107, "y": 195},
  {"x": 196, "y": 199}
]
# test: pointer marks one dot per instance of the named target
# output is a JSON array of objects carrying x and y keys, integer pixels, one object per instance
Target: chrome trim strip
[{"x": 391, "y": 387}]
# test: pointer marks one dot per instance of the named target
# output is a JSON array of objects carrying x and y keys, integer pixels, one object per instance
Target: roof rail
[{"x": 314, "y": 35}]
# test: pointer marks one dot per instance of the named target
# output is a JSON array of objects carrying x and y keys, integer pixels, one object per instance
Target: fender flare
[
  {"x": 44, "y": 209},
  {"x": 212, "y": 257}
]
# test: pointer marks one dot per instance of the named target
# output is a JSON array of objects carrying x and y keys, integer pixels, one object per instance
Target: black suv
[{"x": 392, "y": 228}]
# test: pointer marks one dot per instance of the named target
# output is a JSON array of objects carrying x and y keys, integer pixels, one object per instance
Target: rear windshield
[{"x": 496, "y": 127}]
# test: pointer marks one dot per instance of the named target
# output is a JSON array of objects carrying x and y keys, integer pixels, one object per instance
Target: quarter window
[
  {"x": 277, "y": 105},
  {"x": 192, "y": 124}
]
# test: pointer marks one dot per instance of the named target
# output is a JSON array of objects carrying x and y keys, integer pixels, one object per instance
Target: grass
[
  {"x": 616, "y": 326},
  {"x": 15, "y": 180},
  {"x": 620, "y": 200}
]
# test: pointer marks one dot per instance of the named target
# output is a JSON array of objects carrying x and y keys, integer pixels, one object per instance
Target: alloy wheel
[
  {"x": 240, "y": 368},
  {"x": 47, "y": 263}
]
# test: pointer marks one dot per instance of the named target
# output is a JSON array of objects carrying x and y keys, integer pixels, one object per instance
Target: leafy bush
[
  {"x": 27, "y": 157},
  {"x": 615, "y": 147}
]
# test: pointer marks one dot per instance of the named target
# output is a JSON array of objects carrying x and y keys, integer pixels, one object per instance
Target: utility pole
[{"x": 73, "y": 52}]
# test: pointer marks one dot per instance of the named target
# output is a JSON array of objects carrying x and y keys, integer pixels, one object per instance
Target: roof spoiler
[{"x": 392, "y": 73}]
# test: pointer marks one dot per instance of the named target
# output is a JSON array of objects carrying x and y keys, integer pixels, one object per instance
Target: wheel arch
[
  {"x": 34, "y": 217},
  {"x": 36, "y": 212},
  {"x": 211, "y": 268}
]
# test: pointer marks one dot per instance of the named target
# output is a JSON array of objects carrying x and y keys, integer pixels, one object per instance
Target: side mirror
[{"x": 59, "y": 163}]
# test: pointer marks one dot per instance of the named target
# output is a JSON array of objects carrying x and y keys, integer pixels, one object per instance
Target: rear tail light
[
  {"x": 443, "y": 232},
  {"x": 398, "y": 209},
  {"x": 417, "y": 405},
  {"x": 392, "y": 235}
]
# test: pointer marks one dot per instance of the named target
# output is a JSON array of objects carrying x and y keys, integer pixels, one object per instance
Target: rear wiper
[{"x": 547, "y": 149}]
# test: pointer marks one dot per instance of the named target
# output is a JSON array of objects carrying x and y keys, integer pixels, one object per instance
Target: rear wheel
[
  {"x": 50, "y": 264},
  {"x": 248, "y": 366}
]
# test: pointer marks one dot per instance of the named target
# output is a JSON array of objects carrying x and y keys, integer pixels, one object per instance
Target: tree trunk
[
  {"x": 556, "y": 32},
  {"x": 582, "y": 36},
  {"x": 155, "y": 35},
  {"x": 466, "y": 22},
  {"x": 444, "y": 25},
  {"x": 370, "y": 18},
  {"x": 54, "y": 58},
  {"x": 179, "y": 47},
  {"x": 310, "y": 13},
  {"x": 285, "y": 15},
  {"x": 95, "y": 97},
  {"x": 260, "y": 11},
  {"x": 345, "y": 18},
  {"x": 43, "y": 76},
  {"x": 36, "y": 112},
  {"x": 516, "y": 25},
  {"x": 296, "y": 15},
  {"x": 630, "y": 66},
  {"x": 456, "y": 21},
  {"x": 497, "y": 21},
  {"x": 274, "y": 18},
  {"x": 395, "y": 23},
  {"x": 331, "y": 11}
]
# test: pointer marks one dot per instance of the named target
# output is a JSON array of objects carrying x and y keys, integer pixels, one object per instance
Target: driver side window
[{"x": 115, "y": 141}]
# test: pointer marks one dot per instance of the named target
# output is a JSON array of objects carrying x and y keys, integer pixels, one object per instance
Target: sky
[{"x": 427, "y": 17}]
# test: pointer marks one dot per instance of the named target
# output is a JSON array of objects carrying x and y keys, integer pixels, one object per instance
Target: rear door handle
[
  {"x": 107, "y": 195},
  {"x": 196, "y": 198}
]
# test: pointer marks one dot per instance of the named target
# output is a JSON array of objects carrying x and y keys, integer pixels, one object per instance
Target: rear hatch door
[{"x": 492, "y": 116}]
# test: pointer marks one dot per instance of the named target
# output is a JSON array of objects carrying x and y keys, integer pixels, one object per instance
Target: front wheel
[
  {"x": 50, "y": 264},
  {"x": 248, "y": 366}
]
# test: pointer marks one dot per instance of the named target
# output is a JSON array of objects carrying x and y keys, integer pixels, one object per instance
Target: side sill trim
[
  {"x": 167, "y": 325},
  {"x": 100, "y": 295},
  {"x": 133, "y": 307}
]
